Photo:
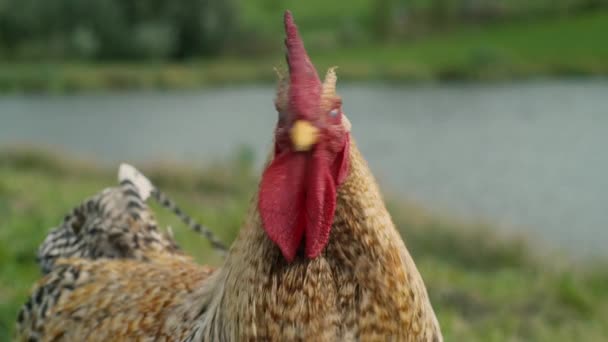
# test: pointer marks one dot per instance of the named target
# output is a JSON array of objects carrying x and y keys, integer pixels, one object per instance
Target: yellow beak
[{"x": 303, "y": 135}]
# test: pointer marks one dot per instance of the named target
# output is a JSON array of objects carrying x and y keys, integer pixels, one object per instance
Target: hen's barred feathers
[
  {"x": 128, "y": 173},
  {"x": 117, "y": 223}
]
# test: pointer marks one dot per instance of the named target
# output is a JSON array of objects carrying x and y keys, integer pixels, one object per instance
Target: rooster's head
[{"x": 297, "y": 197}]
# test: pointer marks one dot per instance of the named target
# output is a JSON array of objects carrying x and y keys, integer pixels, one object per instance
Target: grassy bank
[
  {"x": 484, "y": 288},
  {"x": 560, "y": 47}
]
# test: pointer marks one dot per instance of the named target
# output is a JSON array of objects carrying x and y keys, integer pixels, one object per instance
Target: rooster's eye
[{"x": 334, "y": 112}]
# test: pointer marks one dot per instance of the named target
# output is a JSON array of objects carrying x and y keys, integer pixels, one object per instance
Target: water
[{"x": 528, "y": 157}]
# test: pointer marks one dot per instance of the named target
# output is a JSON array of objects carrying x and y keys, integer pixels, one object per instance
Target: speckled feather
[
  {"x": 116, "y": 223},
  {"x": 102, "y": 300}
]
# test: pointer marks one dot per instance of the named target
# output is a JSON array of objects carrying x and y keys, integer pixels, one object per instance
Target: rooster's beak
[{"x": 303, "y": 135}]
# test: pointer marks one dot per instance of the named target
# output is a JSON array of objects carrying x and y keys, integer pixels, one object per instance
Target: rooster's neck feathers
[{"x": 364, "y": 273}]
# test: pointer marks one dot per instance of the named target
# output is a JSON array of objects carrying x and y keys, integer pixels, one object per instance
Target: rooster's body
[
  {"x": 364, "y": 286},
  {"x": 318, "y": 258}
]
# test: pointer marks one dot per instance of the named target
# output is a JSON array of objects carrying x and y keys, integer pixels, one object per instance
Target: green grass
[
  {"x": 562, "y": 47},
  {"x": 484, "y": 287}
]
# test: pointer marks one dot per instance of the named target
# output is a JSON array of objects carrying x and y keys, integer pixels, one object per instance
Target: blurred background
[{"x": 484, "y": 121}]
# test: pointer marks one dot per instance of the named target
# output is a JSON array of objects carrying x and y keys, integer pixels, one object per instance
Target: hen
[
  {"x": 116, "y": 223},
  {"x": 318, "y": 257}
]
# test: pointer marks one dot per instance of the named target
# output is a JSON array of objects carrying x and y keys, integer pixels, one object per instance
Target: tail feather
[
  {"x": 145, "y": 188},
  {"x": 127, "y": 173},
  {"x": 117, "y": 223},
  {"x": 166, "y": 202}
]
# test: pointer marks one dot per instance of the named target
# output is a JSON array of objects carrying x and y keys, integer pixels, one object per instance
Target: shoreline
[{"x": 68, "y": 79}]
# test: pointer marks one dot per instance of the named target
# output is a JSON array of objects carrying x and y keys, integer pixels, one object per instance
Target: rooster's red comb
[{"x": 305, "y": 86}]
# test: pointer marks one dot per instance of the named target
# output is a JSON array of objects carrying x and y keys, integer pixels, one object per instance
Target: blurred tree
[
  {"x": 440, "y": 11},
  {"x": 382, "y": 19},
  {"x": 183, "y": 29},
  {"x": 115, "y": 29}
]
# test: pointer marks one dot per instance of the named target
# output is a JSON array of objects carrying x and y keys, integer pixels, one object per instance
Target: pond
[{"x": 528, "y": 157}]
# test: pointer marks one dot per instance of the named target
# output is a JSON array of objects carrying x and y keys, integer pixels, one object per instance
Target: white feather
[{"x": 143, "y": 184}]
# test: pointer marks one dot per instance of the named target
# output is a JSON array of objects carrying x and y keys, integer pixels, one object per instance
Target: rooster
[{"x": 318, "y": 257}]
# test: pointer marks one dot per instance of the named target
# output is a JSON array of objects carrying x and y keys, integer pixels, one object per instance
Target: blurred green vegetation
[
  {"x": 484, "y": 287},
  {"x": 114, "y": 29},
  {"x": 182, "y": 29},
  {"x": 70, "y": 45}
]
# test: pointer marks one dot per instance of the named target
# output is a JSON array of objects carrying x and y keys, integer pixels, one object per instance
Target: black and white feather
[{"x": 116, "y": 223}]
